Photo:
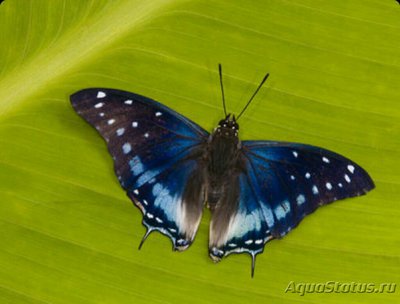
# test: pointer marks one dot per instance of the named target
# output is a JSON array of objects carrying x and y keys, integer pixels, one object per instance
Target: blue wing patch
[
  {"x": 160, "y": 200},
  {"x": 153, "y": 148}
]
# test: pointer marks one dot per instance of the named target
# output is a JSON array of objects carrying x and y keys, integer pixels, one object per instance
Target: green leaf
[{"x": 69, "y": 233}]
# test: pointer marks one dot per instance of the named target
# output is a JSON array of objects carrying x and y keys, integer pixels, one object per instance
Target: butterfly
[{"x": 171, "y": 168}]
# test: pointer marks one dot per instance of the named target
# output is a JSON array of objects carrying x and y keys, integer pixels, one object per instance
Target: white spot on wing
[
  {"x": 350, "y": 168},
  {"x": 315, "y": 190},
  {"x": 149, "y": 215},
  {"x": 232, "y": 245},
  {"x": 158, "y": 114},
  {"x": 136, "y": 165},
  {"x": 159, "y": 220},
  {"x": 136, "y": 191},
  {"x": 325, "y": 160},
  {"x": 134, "y": 124},
  {"x": 308, "y": 175},
  {"x": 300, "y": 199},
  {"x": 347, "y": 178},
  {"x": 126, "y": 148},
  {"x": 146, "y": 135},
  {"x": 111, "y": 121},
  {"x": 146, "y": 177},
  {"x": 98, "y": 105},
  {"x": 340, "y": 185},
  {"x": 128, "y": 102},
  {"x": 101, "y": 114},
  {"x": 101, "y": 94},
  {"x": 259, "y": 241},
  {"x": 180, "y": 241},
  {"x": 295, "y": 154},
  {"x": 268, "y": 215},
  {"x": 282, "y": 210},
  {"x": 248, "y": 242},
  {"x": 292, "y": 177},
  {"x": 216, "y": 251},
  {"x": 328, "y": 186},
  {"x": 120, "y": 131},
  {"x": 156, "y": 189}
]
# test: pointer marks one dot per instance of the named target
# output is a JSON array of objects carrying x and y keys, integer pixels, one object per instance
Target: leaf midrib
[{"x": 75, "y": 48}]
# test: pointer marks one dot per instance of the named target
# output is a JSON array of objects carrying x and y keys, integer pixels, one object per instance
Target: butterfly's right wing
[
  {"x": 280, "y": 184},
  {"x": 156, "y": 154}
]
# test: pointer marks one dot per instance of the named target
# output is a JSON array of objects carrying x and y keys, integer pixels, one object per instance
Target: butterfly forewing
[{"x": 154, "y": 151}]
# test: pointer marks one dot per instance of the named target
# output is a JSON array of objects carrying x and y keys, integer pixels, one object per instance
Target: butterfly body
[
  {"x": 171, "y": 168},
  {"x": 222, "y": 157}
]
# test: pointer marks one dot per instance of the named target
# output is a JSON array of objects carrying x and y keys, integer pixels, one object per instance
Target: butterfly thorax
[{"x": 222, "y": 156}]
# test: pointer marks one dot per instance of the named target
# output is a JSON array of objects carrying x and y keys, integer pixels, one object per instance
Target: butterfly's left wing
[
  {"x": 280, "y": 184},
  {"x": 156, "y": 154}
]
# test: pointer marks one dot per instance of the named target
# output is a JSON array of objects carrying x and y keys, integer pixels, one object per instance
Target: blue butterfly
[{"x": 170, "y": 167}]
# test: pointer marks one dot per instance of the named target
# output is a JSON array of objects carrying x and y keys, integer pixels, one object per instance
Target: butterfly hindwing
[
  {"x": 247, "y": 229},
  {"x": 280, "y": 185},
  {"x": 155, "y": 152},
  {"x": 162, "y": 203}
]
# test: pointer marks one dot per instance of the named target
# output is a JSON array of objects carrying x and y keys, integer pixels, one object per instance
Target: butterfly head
[{"x": 227, "y": 127}]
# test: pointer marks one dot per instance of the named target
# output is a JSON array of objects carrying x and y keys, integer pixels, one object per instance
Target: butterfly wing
[
  {"x": 156, "y": 158},
  {"x": 281, "y": 183}
]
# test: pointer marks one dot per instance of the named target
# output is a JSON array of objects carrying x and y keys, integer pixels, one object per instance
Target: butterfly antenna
[
  {"x": 255, "y": 93},
  {"x": 253, "y": 264},
  {"x": 144, "y": 238},
  {"x": 222, "y": 87}
]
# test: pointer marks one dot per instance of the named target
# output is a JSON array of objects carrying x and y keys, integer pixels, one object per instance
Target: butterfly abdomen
[{"x": 222, "y": 154}]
